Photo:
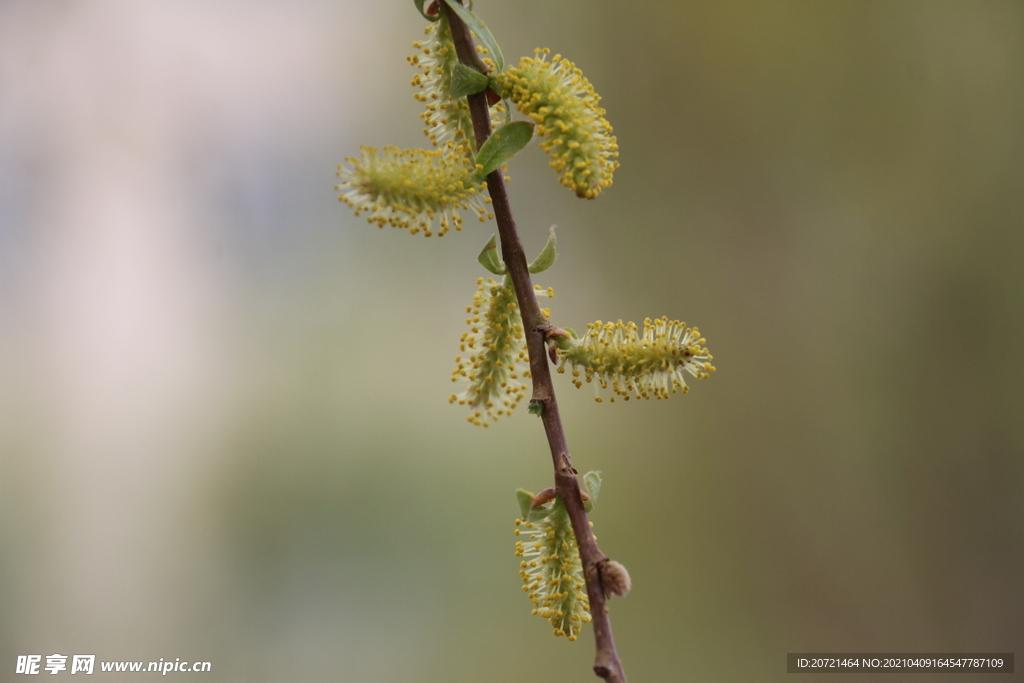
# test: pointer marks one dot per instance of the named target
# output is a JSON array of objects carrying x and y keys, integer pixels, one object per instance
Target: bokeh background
[{"x": 224, "y": 432}]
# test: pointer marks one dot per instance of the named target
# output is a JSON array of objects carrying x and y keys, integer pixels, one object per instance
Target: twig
[{"x": 606, "y": 661}]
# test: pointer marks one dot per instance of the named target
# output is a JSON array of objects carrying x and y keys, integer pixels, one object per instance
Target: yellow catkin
[
  {"x": 631, "y": 363},
  {"x": 564, "y": 105},
  {"x": 413, "y": 188},
  {"x": 552, "y": 572},
  {"x": 493, "y": 357}
]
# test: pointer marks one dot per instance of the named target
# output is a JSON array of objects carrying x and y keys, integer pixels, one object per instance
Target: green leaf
[
  {"x": 547, "y": 256},
  {"x": 489, "y": 258},
  {"x": 593, "y": 482},
  {"x": 503, "y": 145},
  {"x": 525, "y": 499},
  {"x": 483, "y": 34},
  {"x": 466, "y": 80},
  {"x": 419, "y": 6}
]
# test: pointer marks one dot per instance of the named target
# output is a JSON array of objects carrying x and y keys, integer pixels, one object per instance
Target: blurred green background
[{"x": 224, "y": 432}]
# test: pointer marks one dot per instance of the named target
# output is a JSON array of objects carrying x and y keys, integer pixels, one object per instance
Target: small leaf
[
  {"x": 489, "y": 258},
  {"x": 466, "y": 80},
  {"x": 593, "y": 482},
  {"x": 419, "y": 6},
  {"x": 542, "y": 511},
  {"x": 483, "y": 34},
  {"x": 547, "y": 256},
  {"x": 531, "y": 512},
  {"x": 503, "y": 145},
  {"x": 525, "y": 499}
]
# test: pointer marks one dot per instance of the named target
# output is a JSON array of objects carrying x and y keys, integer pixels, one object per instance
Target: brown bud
[
  {"x": 614, "y": 578},
  {"x": 545, "y": 496}
]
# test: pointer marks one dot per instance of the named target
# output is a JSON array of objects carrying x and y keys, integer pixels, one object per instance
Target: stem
[{"x": 606, "y": 661}]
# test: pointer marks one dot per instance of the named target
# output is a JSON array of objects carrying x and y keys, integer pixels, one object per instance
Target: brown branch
[{"x": 606, "y": 661}]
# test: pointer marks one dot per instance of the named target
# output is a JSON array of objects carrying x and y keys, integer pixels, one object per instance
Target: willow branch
[{"x": 606, "y": 661}]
